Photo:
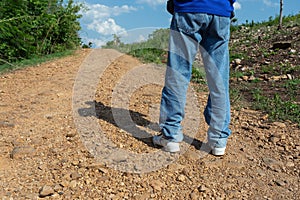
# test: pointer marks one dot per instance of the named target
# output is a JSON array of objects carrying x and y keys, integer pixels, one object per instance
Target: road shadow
[{"x": 129, "y": 121}]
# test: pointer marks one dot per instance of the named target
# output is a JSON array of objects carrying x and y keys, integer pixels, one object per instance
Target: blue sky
[{"x": 134, "y": 20}]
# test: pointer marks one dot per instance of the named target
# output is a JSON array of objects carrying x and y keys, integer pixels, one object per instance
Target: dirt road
[{"x": 45, "y": 153}]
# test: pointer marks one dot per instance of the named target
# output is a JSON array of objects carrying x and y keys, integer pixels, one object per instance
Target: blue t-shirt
[{"x": 214, "y": 7}]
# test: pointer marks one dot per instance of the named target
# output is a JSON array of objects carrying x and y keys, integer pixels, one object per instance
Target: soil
[{"x": 43, "y": 155}]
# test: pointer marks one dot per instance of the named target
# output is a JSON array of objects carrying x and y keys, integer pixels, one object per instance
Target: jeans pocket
[{"x": 187, "y": 23}]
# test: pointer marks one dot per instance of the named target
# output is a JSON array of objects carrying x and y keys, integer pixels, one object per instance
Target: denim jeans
[{"x": 190, "y": 32}]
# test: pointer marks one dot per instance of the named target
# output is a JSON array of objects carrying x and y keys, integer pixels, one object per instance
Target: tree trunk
[{"x": 280, "y": 15}]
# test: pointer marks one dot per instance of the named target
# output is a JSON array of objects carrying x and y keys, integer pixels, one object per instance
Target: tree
[
  {"x": 280, "y": 15},
  {"x": 37, "y": 27}
]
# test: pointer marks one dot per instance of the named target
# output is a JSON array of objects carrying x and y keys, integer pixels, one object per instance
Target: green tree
[{"x": 37, "y": 27}]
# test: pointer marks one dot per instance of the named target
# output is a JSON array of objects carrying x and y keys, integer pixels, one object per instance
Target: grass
[
  {"x": 198, "y": 75},
  {"x": 147, "y": 55},
  {"x": 291, "y": 87},
  {"x": 32, "y": 62},
  {"x": 237, "y": 56},
  {"x": 277, "y": 108}
]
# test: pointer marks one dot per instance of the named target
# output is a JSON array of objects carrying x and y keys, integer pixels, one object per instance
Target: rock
[
  {"x": 233, "y": 79},
  {"x": 290, "y": 164},
  {"x": 49, "y": 116},
  {"x": 265, "y": 117},
  {"x": 267, "y": 62},
  {"x": 75, "y": 175},
  {"x": 102, "y": 170},
  {"x": 282, "y": 45},
  {"x": 6, "y": 124},
  {"x": 274, "y": 139},
  {"x": 65, "y": 183},
  {"x": 156, "y": 185},
  {"x": 102, "y": 178},
  {"x": 22, "y": 151},
  {"x": 245, "y": 78},
  {"x": 252, "y": 78},
  {"x": 237, "y": 61},
  {"x": 71, "y": 134},
  {"x": 275, "y": 78},
  {"x": 58, "y": 188},
  {"x": 73, "y": 184},
  {"x": 273, "y": 164},
  {"x": 181, "y": 178},
  {"x": 280, "y": 183},
  {"x": 245, "y": 126},
  {"x": 202, "y": 188},
  {"x": 279, "y": 124},
  {"x": 45, "y": 191},
  {"x": 269, "y": 161},
  {"x": 175, "y": 167},
  {"x": 280, "y": 148},
  {"x": 245, "y": 68},
  {"x": 194, "y": 195}
]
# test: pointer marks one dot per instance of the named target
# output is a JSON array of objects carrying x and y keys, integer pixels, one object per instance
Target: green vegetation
[
  {"x": 33, "y": 61},
  {"x": 277, "y": 107},
  {"x": 152, "y": 50},
  {"x": 198, "y": 75},
  {"x": 32, "y": 29},
  {"x": 148, "y": 54}
]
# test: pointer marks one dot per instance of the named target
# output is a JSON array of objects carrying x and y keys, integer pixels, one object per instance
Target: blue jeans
[{"x": 189, "y": 32}]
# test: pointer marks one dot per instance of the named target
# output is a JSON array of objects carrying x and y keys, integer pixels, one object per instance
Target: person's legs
[
  {"x": 214, "y": 49},
  {"x": 183, "y": 46},
  {"x": 187, "y": 30}
]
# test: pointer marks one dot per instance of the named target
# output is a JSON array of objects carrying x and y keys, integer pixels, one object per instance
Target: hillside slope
[{"x": 265, "y": 67}]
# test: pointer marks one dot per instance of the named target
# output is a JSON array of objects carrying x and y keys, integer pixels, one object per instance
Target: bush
[{"x": 37, "y": 27}]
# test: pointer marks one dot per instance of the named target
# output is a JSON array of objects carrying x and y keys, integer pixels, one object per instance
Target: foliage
[
  {"x": 276, "y": 107},
  {"x": 37, "y": 27},
  {"x": 152, "y": 50},
  {"x": 198, "y": 75},
  {"x": 149, "y": 54},
  {"x": 33, "y": 61}
]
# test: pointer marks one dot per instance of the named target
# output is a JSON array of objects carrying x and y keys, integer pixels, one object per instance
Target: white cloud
[
  {"x": 270, "y": 3},
  {"x": 100, "y": 11},
  {"x": 107, "y": 27},
  {"x": 141, "y": 38},
  {"x": 99, "y": 18},
  {"x": 152, "y": 2},
  {"x": 237, "y": 6}
]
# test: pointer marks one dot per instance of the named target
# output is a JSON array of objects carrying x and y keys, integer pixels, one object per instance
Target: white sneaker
[
  {"x": 159, "y": 140},
  {"x": 218, "y": 151}
]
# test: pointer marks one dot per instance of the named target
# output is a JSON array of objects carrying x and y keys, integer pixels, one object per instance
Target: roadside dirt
[{"x": 42, "y": 155}]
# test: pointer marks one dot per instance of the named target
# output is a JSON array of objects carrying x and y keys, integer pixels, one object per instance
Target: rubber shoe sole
[{"x": 168, "y": 146}]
